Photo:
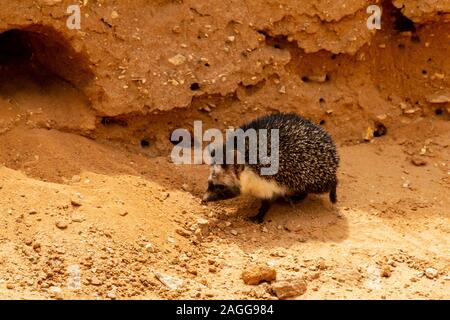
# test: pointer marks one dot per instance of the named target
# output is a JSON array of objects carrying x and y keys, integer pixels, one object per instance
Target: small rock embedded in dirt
[
  {"x": 318, "y": 78},
  {"x": 37, "y": 246},
  {"x": 150, "y": 248},
  {"x": 55, "y": 290},
  {"x": 256, "y": 274},
  {"x": 77, "y": 218},
  {"x": 438, "y": 98},
  {"x": 234, "y": 232},
  {"x": 289, "y": 288},
  {"x": 386, "y": 271},
  {"x": 417, "y": 161},
  {"x": 169, "y": 281},
  {"x": 182, "y": 232},
  {"x": 431, "y": 273},
  {"x": 96, "y": 281},
  {"x": 32, "y": 211},
  {"x": 177, "y": 60},
  {"x": 202, "y": 222},
  {"x": 61, "y": 224},
  {"x": 114, "y": 14},
  {"x": 368, "y": 136},
  {"x": 123, "y": 213},
  {"x": 76, "y": 201}
]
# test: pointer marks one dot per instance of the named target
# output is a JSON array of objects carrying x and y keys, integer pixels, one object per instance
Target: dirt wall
[{"x": 121, "y": 56}]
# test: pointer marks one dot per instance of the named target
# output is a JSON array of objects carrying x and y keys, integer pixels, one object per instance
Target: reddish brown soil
[{"x": 78, "y": 189}]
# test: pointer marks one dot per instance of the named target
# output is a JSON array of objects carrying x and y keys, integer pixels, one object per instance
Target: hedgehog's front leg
[{"x": 265, "y": 206}]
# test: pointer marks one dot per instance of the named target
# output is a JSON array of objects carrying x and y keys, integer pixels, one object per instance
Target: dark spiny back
[{"x": 308, "y": 159}]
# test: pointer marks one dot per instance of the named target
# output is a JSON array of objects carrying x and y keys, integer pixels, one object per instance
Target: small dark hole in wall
[
  {"x": 207, "y": 64},
  {"x": 195, "y": 86},
  {"x": 424, "y": 72},
  {"x": 107, "y": 121},
  {"x": 439, "y": 111},
  {"x": 333, "y": 56},
  {"x": 401, "y": 46},
  {"x": 14, "y": 47},
  {"x": 322, "y": 102},
  {"x": 305, "y": 79},
  {"x": 145, "y": 143},
  {"x": 327, "y": 78},
  {"x": 322, "y": 122},
  {"x": 403, "y": 23},
  {"x": 380, "y": 130},
  {"x": 415, "y": 38}
]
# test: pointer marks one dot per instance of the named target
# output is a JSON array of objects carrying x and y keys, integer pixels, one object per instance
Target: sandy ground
[
  {"x": 92, "y": 207},
  {"x": 128, "y": 216}
]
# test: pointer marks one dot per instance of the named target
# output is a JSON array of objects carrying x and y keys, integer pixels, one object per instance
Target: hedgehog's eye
[{"x": 219, "y": 187}]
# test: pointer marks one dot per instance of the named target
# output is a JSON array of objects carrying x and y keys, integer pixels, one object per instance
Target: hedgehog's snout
[{"x": 217, "y": 192}]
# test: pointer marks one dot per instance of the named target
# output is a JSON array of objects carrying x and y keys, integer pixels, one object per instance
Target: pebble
[
  {"x": 77, "y": 218},
  {"x": 169, "y": 281},
  {"x": 177, "y": 60},
  {"x": 123, "y": 213},
  {"x": 96, "y": 281},
  {"x": 258, "y": 273},
  {"x": 439, "y": 98},
  {"x": 386, "y": 272},
  {"x": 368, "y": 136},
  {"x": 76, "y": 201},
  {"x": 234, "y": 232},
  {"x": 289, "y": 288},
  {"x": 182, "y": 232},
  {"x": 111, "y": 295},
  {"x": 61, "y": 224},
  {"x": 417, "y": 161},
  {"x": 231, "y": 38},
  {"x": 32, "y": 211},
  {"x": 150, "y": 248},
  {"x": 431, "y": 273},
  {"x": 202, "y": 222},
  {"x": 318, "y": 78},
  {"x": 114, "y": 14},
  {"x": 55, "y": 289}
]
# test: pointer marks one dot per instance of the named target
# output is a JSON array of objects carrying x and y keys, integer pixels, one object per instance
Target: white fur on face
[{"x": 253, "y": 184}]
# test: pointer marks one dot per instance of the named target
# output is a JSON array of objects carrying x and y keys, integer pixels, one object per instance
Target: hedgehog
[{"x": 307, "y": 163}]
